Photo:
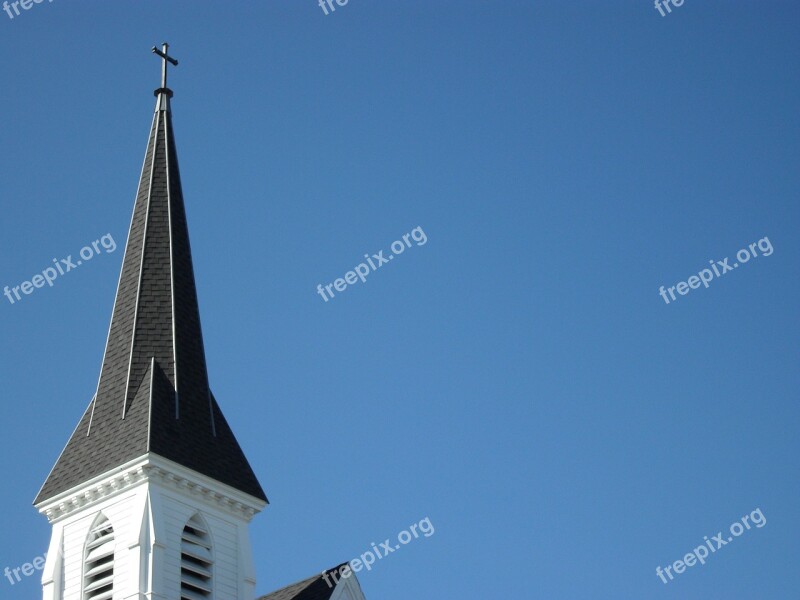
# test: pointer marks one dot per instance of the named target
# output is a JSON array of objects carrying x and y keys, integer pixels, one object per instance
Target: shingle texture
[
  {"x": 313, "y": 588},
  {"x": 153, "y": 394}
]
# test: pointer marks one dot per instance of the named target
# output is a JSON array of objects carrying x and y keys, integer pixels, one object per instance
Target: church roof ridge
[{"x": 306, "y": 589}]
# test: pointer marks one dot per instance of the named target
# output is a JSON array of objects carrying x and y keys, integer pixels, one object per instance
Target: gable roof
[
  {"x": 153, "y": 394},
  {"x": 313, "y": 588}
]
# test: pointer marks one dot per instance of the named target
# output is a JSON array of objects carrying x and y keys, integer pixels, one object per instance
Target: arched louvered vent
[
  {"x": 98, "y": 575},
  {"x": 196, "y": 561}
]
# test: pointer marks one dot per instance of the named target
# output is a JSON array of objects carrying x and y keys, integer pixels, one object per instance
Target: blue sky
[{"x": 517, "y": 379}]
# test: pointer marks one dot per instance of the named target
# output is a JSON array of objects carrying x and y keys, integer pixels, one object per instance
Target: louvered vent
[
  {"x": 98, "y": 577},
  {"x": 195, "y": 561}
]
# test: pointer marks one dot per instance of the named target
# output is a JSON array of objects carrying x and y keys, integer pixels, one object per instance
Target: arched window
[
  {"x": 98, "y": 561},
  {"x": 196, "y": 561}
]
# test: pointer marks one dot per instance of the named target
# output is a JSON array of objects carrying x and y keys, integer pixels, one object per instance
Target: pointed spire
[{"x": 153, "y": 394}]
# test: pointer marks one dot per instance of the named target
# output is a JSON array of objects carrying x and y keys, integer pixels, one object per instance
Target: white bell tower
[{"x": 150, "y": 530}]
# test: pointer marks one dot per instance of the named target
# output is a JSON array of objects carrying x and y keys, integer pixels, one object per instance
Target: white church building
[{"x": 152, "y": 496}]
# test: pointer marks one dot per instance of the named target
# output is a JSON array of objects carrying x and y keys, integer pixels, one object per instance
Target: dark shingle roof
[
  {"x": 313, "y": 588},
  {"x": 153, "y": 394}
]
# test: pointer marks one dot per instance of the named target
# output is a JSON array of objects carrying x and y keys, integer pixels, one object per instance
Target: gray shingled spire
[{"x": 153, "y": 394}]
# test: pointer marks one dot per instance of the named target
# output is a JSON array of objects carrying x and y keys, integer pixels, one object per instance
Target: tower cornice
[{"x": 151, "y": 469}]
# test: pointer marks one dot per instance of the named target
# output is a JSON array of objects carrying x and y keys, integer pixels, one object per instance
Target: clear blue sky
[{"x": 518, "y": 379}]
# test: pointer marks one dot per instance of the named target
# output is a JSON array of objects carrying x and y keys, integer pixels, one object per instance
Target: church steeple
[
  {"x": 153, "y": 395},
  {"x": 152, "y": 496}
]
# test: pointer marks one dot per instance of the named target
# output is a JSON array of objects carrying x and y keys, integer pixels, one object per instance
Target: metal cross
[{"x": 165, "y": 59}]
